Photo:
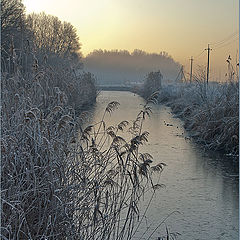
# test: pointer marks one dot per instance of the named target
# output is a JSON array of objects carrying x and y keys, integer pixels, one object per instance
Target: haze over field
[
  {"x": 122, "y": 67},
  {"x": 180, "y": 28}
]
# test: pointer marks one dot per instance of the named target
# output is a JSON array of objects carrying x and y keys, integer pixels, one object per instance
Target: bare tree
[
  {"x": 12, "y": 19},
  {"x": 13, "y": 34},
  {"x": 53, "y": 36}
]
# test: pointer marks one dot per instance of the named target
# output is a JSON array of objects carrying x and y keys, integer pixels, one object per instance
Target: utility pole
[
  {"x": 208, "y": 49},
  {"x": 191, "y": 60},
  {"x": 181, "y": 74}
]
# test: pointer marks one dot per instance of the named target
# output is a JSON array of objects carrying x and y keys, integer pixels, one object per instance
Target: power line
[
  {"x": 229, "y": 41},
  {"x": 221, "y": 43},
  {"x": 226, "y": 39},
  {"x": 199, "y": 54},
  {"x": 224, "y": 45}
]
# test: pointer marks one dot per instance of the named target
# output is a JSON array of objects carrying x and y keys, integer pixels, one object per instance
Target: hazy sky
[{"x": 183, "y": 28}]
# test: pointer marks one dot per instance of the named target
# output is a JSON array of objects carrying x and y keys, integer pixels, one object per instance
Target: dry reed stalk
[
  {"x": 211, "y": 115},
  {"x": 61, "y": 182}
]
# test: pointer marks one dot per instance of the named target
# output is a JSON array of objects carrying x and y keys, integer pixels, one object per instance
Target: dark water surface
[{"x": 202, "y": 186}]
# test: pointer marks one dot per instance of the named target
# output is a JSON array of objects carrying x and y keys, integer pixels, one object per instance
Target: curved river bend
[{"x": 201, "y": 186}]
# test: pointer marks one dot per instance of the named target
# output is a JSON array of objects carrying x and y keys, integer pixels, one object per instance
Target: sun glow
[
  {"x": 176, "y": 27},
  {"x": 33, "y": 6}
]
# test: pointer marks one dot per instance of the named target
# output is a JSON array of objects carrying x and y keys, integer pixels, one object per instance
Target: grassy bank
[
  {"x": 59, "y": 181},
  {"x": 36, "y": 128},
  {"x": 210, "y": 112}
]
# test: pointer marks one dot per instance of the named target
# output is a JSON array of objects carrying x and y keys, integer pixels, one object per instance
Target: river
[{"x": 202, "y": 186}]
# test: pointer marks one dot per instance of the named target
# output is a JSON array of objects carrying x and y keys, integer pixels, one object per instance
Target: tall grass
[
  {"x": 59, "y": 181},
  {"x": 210, "y": 113}
]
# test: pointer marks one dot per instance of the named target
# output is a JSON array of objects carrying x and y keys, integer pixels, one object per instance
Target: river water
[{"x": 201, "y": 194}]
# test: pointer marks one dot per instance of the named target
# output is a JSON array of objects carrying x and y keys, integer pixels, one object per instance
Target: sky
[{"x": 182, "y": 28}]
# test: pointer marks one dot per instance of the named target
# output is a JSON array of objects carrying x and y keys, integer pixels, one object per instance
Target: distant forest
[{"x": 122, "y": 67}]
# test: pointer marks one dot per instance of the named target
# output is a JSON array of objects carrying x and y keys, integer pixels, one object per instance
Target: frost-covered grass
[
  {"x": 59, "y": 181},
  {"x": 210, "y": 113}
]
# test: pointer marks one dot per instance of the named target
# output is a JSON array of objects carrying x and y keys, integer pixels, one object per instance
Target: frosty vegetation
[
  {"x": 152, "y": 84},
  {"x": 59, "y": 181},
  {"x": 210, "y": 111}
]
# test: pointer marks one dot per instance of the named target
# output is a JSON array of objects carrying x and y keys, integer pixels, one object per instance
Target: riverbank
[
  {"x": 38, "y": 123},
  {"x": 201, "y": 185},
  {"x": 210, "y": 113},
  {"x": 59, "y": 178},
  {"x": 57, "y": 182}
]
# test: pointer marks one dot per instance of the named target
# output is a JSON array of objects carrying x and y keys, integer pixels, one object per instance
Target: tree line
[
  {"x": 35, "y": 42},
  {"x": 123, "y": 67},
  {"x": 40, "y": 34}
]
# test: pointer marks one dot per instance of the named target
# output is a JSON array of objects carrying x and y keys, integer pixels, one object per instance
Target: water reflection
[{"x": 201, "y": 185}]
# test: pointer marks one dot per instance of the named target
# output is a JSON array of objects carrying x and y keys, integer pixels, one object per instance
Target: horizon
[{"x": 153, "y": 27}]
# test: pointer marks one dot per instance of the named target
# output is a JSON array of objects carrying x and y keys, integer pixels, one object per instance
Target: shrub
[{"x": 151, "y": 84}]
